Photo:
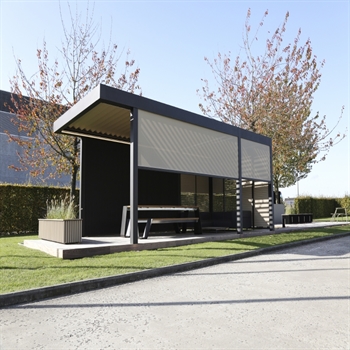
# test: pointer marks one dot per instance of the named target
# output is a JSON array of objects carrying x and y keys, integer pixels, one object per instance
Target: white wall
[{"x": 278, "y": 211}]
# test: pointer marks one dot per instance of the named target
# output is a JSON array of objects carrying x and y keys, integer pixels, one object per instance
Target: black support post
[
  {"x": 253, "y": 204},
  {"x": 270, "y": 189},
  {"x": 271, "y": 214},
  {"x": 134, "y": 176},
  {"x": 239, "y": 208}
]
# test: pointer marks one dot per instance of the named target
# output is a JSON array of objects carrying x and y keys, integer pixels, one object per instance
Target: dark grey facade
[
  {"x": 105, "y": 186},
  {"x": 9, "y": 150}
]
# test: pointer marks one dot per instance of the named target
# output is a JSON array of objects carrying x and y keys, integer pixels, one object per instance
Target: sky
[{"x": 169, "y": 40}]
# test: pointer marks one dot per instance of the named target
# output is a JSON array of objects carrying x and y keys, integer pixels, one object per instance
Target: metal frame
[
  {"x": 126, "y": 101},
  {"x": 134, "y": 180},
  {"x": 122, "y": 99},
  {"x": 239, "y": 206}
]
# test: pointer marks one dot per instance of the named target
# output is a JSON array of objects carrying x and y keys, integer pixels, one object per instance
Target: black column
[
  {"x": 134, "y": 176},
  {"x": 239, "y": 208}
]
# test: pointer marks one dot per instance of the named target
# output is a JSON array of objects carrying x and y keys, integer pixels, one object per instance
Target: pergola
[{"x": 161, "y": 138}]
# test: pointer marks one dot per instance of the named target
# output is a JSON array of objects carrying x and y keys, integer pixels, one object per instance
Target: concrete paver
[{"x": 292, "y": 299}]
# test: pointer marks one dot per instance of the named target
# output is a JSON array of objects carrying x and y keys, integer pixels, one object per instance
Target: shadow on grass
[
  {"x": 235, "y": 245},
  {"x": 43, "y": 256},
  {"x": 112, "y": 267}
]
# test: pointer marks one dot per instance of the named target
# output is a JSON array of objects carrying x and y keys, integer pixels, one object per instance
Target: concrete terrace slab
[{"x": 91, "y": 246}]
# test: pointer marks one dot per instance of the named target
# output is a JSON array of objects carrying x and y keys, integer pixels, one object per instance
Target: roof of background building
[
  {"x": 5, "y": 101},
  {"x": 6, "y": 115},
  {"x": 6, "y": 124}
]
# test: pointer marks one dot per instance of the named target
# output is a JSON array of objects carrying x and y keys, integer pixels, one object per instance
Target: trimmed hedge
[
  {"x": 320, "y": 207},
  {"x": 345, "y": 203},
  {"x": 22, "y": 205}
]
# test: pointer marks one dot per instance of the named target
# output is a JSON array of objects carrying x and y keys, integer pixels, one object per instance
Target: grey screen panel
[
  {"x": 255, "y": 161},
  {"x": 170, "y": 144}
]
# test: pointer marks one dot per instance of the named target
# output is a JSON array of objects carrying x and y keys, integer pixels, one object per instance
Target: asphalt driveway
[{"x": 292, "y": 299}]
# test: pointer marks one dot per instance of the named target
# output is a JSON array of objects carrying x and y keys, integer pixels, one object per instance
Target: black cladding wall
[{"x": 105, "y": 186}]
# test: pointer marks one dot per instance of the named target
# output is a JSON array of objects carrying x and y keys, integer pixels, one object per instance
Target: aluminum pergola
[{"x": 163, "y": 137}]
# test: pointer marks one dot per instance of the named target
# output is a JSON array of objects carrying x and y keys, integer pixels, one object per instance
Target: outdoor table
[{"x": 182, "y": 218}]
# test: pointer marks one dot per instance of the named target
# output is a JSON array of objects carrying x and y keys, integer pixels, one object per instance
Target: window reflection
[
  {"x": 202, "y": 193},
  {"x": 195, "y": 190}
]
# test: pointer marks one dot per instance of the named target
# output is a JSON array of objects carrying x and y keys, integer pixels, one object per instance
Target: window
[
  {"x": 218, "y": 194},
  {"x": 202, "y": 193},
  {"x": 188, "y": 190},
  {"x": 230, "y": 195}
]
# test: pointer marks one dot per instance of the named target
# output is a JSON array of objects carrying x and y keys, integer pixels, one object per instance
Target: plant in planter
[{"x": 60, "y": 224}]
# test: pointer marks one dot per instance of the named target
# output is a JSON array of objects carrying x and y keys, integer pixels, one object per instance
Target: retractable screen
[
  {"x": 169, "y": 144},
  {"x": 255, "y": 161}
]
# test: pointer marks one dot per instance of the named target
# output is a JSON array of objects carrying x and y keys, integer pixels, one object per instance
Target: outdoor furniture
[
  {"x": 149, "y": 218},
  {"x": 296, "y": 219},
  {"x": 339, "y": 212}
]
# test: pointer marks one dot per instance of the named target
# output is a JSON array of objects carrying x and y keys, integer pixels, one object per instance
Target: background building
[{"x": 9, "y": 150}]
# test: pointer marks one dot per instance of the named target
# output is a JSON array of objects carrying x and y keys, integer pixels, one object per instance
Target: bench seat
[
  {"x": 151, "y": 221},
  {"x": 301, "y": 218}
]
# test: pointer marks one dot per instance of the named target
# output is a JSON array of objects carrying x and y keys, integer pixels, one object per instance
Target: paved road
[{"x": 292, "y": 299}]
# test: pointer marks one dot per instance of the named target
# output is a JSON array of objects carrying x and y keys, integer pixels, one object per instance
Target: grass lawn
[
  {"x": 22, "y": 268},
  {"x": 330, "y": 219}
]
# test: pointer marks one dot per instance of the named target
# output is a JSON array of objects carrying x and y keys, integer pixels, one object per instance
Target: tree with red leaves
[
  {"x": 41, "y": 99},
  {"x": 272, "y": 94}
]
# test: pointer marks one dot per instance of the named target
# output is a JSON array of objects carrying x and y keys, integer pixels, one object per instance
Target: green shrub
[
  {"x": 63, "y": 208},
  {"x": 289, "y": 209},
  {"x": 303, "y": 205},
  {"x": 22, "y": 205},
  {"x": 345, "y": 203},
  {"x": 320, "y": 207}
]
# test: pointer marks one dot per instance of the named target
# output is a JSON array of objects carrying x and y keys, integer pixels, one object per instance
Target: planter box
[{"x": 60, "y": 230}]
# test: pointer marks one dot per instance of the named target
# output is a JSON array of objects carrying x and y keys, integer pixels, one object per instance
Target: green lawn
[
  {"x": 23, "y": 268},
  {"x": 329, "y": 219}
]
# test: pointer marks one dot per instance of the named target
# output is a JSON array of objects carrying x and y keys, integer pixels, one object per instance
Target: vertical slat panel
[
  {"x": 255, "y": 161},
  {"x": 170, "y": 144}
]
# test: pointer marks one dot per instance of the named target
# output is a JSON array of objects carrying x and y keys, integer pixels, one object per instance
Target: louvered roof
[
  {"x": 105, "y": 113},
  {"x": 96, "y": 117},
  {"x": 104, "y": 120}
]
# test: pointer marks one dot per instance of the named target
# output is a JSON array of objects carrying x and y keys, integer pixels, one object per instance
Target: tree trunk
[
  {"x": 277, "y": 193},
  {"x": 73, "y": 183},
  {"x": 75, "y": 169}
]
